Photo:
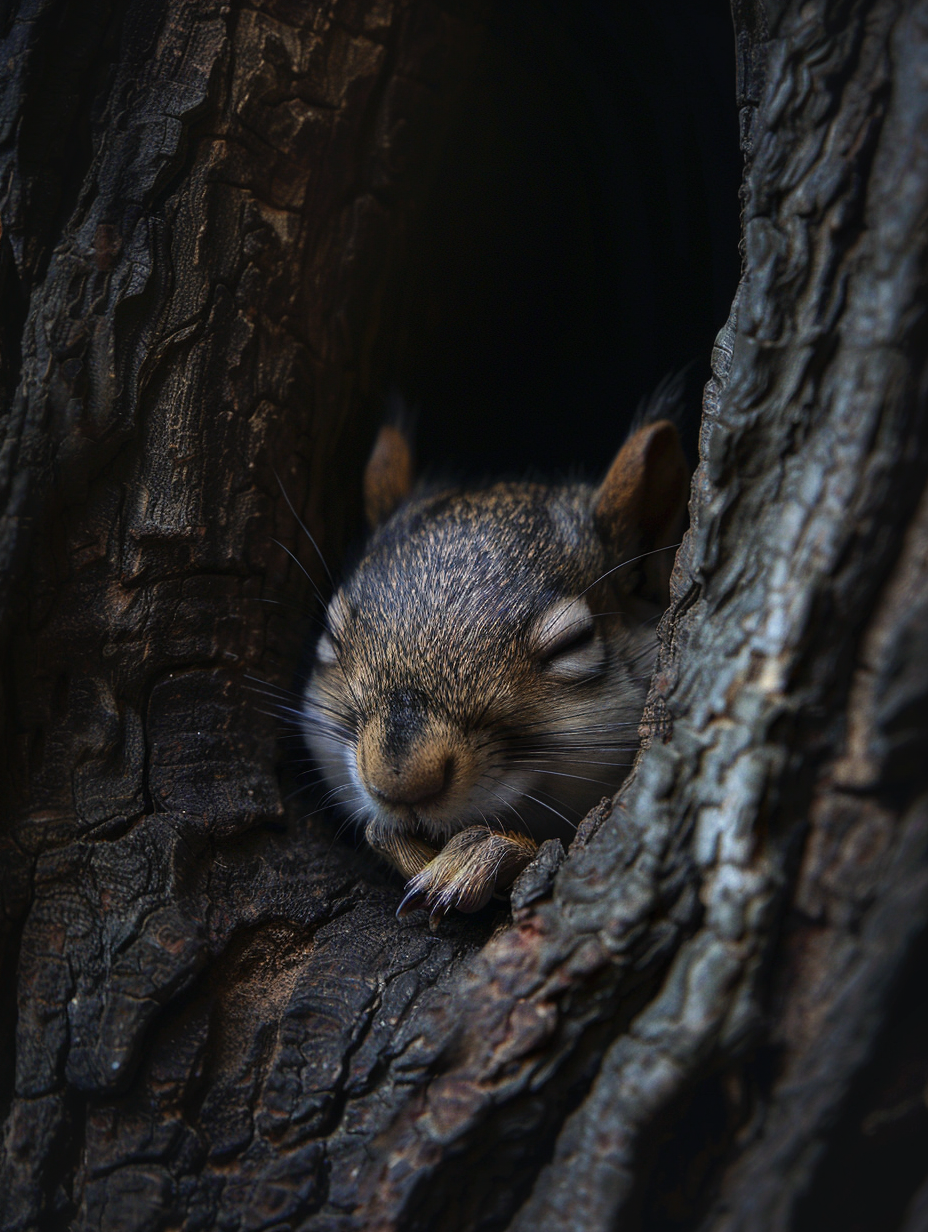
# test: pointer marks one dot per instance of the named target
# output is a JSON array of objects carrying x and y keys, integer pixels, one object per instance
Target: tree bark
[{"x": 714, "y": 1013}]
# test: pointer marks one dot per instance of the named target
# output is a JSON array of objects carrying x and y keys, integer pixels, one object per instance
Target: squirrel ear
[
  {"x": 639, "y": 505},
  {"x": 388, "y": 477}
]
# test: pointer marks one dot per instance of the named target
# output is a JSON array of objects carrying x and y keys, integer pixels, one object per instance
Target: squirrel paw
[{"x": 466, "y": 872}]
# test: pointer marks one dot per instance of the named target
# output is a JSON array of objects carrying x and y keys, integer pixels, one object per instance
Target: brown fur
[
  {"x": 388, "y": 478},
  {"x": 487, "y": 659},
  {"x": 639, "y": 505}
]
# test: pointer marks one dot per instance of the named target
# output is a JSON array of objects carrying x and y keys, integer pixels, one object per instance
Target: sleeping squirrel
[{"x": 482, "y": 671}]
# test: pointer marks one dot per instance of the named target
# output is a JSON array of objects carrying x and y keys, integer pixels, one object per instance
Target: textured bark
[{"x": 714, "y": 1012}]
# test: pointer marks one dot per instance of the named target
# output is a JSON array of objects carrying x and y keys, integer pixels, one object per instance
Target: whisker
[
  {"x": 507, "y": 805},
  {"x": 269, "y": 684},
  {"x": 565, "y": 820},
  {"x": 299, "y": 564},
  {"x": 293, "y": 607},
  {"x": 305, "y": 531},
  {"x": 278, "y": 714},
  {"x": 563, "y": 774}
]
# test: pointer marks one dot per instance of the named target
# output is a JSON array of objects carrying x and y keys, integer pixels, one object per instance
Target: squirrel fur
[{"x": 483, "y": 668}]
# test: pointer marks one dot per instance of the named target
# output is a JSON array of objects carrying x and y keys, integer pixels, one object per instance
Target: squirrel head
[{"x": 488, "y": 658}]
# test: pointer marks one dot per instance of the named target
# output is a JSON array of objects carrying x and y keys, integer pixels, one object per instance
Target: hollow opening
[{"x": 582, "y": 240}]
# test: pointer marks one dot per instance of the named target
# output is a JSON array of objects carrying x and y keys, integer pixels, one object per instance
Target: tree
[{"x": 713, "y": 1013}]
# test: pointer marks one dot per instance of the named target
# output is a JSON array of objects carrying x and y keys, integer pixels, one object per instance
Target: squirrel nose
[
  {"x": 420, "y": 775},
  {"x": 415, "y": 781}
]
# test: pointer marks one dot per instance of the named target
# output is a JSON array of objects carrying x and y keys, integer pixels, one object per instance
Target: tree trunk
[{"x": 714, "y": 1014}]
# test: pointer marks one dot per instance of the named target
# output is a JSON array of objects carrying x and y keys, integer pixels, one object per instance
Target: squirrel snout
[
  {"x": 420, "y": 775},
  {"x": 410, "y": 785}
]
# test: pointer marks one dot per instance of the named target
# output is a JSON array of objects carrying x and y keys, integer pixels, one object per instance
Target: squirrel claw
[
  {"x": 412, "y": 901},
  {"x": 465, "y": 874}
]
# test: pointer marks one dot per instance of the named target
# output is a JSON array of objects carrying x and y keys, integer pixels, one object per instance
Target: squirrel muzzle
[{"x": 427, "y": 771}]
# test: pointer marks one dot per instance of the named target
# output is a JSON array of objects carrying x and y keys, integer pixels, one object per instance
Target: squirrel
[{"x": 483, "y": 669}]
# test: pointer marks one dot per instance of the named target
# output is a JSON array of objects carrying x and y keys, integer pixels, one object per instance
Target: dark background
[{"x": 583, "y": 242}]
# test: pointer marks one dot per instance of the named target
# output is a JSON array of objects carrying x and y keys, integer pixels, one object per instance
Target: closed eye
[{"x": 566, "y": 643}]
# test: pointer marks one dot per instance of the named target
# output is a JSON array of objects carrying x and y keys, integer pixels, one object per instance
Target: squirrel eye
[
  {"x": 570, "y": 640},
  {"x": 565, "y": 640}
]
